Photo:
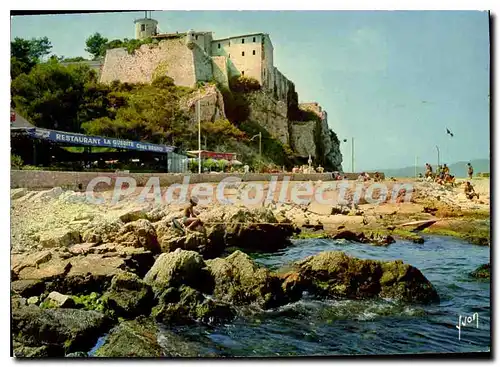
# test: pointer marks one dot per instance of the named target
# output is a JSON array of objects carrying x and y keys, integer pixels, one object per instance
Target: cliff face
[{"x": 311, "y": 137}]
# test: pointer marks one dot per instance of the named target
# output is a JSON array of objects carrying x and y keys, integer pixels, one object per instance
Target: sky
[{"x": 392, "y": 80}]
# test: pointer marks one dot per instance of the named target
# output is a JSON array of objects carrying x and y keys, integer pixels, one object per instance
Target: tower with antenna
[{"x": 145, "y": 27}]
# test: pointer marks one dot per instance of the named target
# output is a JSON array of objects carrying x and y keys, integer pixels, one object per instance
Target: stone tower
[{"x": 145, "y": 27}]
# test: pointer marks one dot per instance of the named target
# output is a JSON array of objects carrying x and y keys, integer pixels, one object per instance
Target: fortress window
[
  {"x": 143, "y": 27},
  {"x": 243, "y": 53},
  {"x": 218, "y": 45},
  {"x": 242, "y": 40},
  {"x": 253, "y": 52},
  {"x": 242, "y": 73},
  {"x": 254, "y": 39}
]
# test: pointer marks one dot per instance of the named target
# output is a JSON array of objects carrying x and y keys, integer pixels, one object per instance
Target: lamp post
[
  {"x": 199, "y": 137},
  {"x": 260, "y": 143},
  {"x": 438, "y": 154}
]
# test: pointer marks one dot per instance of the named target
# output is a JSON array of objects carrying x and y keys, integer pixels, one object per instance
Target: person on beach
[
  {"x": 470, "y": 171},
  {"x": 190, "y": 219},
  {"x": 469, "y": 191},
  {"x": 428, "y": 170},
  {"x": 446, "y": 169}
]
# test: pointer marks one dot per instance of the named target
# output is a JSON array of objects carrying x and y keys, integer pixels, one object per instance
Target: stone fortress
[{"x": 195, "y": 56}]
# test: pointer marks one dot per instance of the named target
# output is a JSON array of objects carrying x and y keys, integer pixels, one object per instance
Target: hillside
[{"x": 458, "y": 168}]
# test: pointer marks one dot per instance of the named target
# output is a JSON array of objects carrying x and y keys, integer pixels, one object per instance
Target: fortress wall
[
  {"x": 219, "y": 69},
  {"x": 202, "y": 65},
  {"x": 280, "y": 85},
  {"x": 267, "y": 62},
  {"x": 169, "y": 57},
  {"x": 302, "y": 138}
]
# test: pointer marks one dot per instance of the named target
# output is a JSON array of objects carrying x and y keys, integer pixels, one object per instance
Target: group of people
[
  {"x": 308, "y": 169},
  {"x": 442, "y": 175}
]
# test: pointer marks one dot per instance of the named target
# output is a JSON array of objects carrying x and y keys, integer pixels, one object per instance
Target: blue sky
[{"x": 393, "y": 80}]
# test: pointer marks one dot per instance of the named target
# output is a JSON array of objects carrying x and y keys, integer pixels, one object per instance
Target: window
[
  {"x": 253, "y": 52},
  {"x": 242, "y": 40},
  {"x": 243, "y": 53},
  {"x": 218, "y": 46},
  {"x": 196, "y": 37},
  {"x": 143, "y": 27},
  {"x": 242, "y": 73},
  {"x": 254, "y": 39}
]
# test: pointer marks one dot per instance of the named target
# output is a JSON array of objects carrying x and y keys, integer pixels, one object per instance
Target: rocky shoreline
[{"x": 80, "y": 272}]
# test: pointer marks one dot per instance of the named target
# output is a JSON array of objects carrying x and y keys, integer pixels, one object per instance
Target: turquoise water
[{"x": 316, "y": 327}]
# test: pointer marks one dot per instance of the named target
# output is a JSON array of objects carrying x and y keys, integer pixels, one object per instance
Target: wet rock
[
  {"x": 238, "y": 280},
  {"x": 129, "y": 296},
  {"x": 64, "y": 329},
  {"x": 62, "y": 237},
  {"x": 379, "y": 239},
  {"x": 28, "y": 287},
  {"x": 178, "y": 268},
  {"x": 482, "y": 271},
  {"x": 135, "y": 338},
  {"x": 44, "y": 351},
  {"x": 335, "y": 274},
  {"x": 187, "y": 305},
  {"x": 139, "y": 233},
  {"x": 56, "y": 299},
  {"x": 209, "y": 244}
]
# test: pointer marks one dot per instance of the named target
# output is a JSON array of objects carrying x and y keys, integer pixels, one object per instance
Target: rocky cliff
[{"x": 310, "y": 136}]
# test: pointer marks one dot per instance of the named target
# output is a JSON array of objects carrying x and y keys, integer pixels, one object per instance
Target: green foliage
[
  {"x": 16, "y": 161},
  {"x": 220, "y": 130},
  {"x": 96, "y": 45},
  {"x": 243, "y": 84},
  {"x": 163, "y": 81},
  {"x": 25, "y": 54},
  {"x": 74, "y": 59},
  {"x": 129, "y": 44},
  {"x": 91, "y": 302},
  {"x": 236, "y": 105},
  {"x": 55, "y": 96}
]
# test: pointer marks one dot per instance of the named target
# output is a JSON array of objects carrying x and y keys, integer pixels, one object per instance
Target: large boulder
[
  {"x": 178, "y": 268},
  {"x": 63, "y": 329},
  {"x": 135, "y": 338},
  {"x": 482, "y": 271},
  {"x": 238, "y": 280},
  {"x": 28, "y": 287},
  {"x": 62, "y": 237},
  {"x": 101, "y": 230},
  {"x": 186, "y": 305},
  {"x": 139, "y": 233},
  {"x": 129, "y": 296},
  {"x": 56, "y": 299},
  {"x": 335, "y": 274},
  {"x": 143, "y": 338}
]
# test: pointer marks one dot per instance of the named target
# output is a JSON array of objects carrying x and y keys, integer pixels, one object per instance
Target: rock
[
  {"x": 482, "y": 271},
  {"x": 238, "y": 280},
  {"x": 32, "y": 300},
  {"x": 379, "y": 239},
  {"x": 55, "y": 268},
  {"x": 68, "y": 330},
  {"x": 349, "y": 236},
  {"x": 335, "y": 274},
  {"x": 81, "y": 248},
  {"x": 22, "y": 351},
  {"x": 62, "y": 237},
  {"x": 136, "y": 338},
  {"x": 17, "y": 193},
  {"x": 132, "y": 215},
  {"x": 27, "y": 196},
  {"x": 209, "y": 244},
  {"x": 56, "y": 299},
  {"x": 53, "y": 193},
  {"x": 140, "y": 233},
  {"x": 102, "y": 230},
  {"x": 178, "y": 268},
  {"x": 129, "y": 296},
  {"x": 20, "y": 262},
  {"x": 187, "y": 305},
  {"x": 77, "y": 355},
  {"x": 28, "y": 287}
]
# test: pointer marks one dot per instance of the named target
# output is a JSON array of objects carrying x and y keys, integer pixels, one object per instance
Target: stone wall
[
  {"x": 270, "y": 114},
  {"x": 219, "y": 69},
  {"x": 71, "y": 180},
  {"x": 202, "y": 65},
  {"x": 168, "y": 57}
]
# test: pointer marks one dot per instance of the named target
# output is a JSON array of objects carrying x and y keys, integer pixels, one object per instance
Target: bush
[
  {"x": 16, "y": 161},
  {"x": 243, "y": 84},
  {"x": 163, "y": 82}
]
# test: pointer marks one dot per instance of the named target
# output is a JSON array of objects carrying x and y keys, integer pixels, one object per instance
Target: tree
[
  {"x": 25, "y": 54},
  {"x": 96, "y": 45},
  {"x": 53, "y": 95}
]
